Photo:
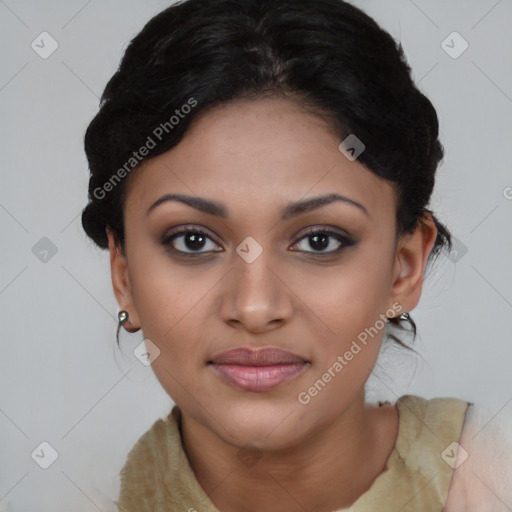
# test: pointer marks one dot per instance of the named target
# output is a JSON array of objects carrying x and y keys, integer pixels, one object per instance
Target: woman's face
[{"x": 255, "y": 279}]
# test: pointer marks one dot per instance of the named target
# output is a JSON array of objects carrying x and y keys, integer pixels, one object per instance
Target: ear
[
  {"x": 410, "y": 262},
  {"x": 121, "y": 281}
]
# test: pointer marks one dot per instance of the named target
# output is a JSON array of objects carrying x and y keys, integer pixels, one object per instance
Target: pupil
[
  {"x": 319, "y": 241},
  {"x": 194, "y": 241}
]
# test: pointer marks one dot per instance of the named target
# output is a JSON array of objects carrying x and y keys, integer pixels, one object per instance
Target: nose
[{"x": 255, "y": 296}]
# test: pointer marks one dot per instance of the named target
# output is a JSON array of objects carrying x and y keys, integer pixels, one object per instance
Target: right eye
[{"x": 188, "y": 242}]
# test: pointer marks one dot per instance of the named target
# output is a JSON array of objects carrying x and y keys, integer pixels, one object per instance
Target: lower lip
[{"x": 258, "y": 378}]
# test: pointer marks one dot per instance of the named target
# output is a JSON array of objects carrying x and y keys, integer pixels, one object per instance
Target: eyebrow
[{"x": 292, "y": 210}]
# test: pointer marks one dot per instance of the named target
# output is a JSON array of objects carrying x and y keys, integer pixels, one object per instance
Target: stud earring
[
  {"x": 402, "y": 317},
  {"x": 122, "y": 317}
]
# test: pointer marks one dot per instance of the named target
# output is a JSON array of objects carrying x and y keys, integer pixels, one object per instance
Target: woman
[{"x": 261, "y": 173}]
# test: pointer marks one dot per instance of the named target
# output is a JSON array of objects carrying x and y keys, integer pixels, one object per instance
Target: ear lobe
[
  {"x": 120, "y": 279},
  {"x": 411, "y": 261}
]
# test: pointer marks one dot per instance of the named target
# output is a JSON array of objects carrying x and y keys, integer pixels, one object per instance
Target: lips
[
  {"x": 257, "y": 357},
  {"x": 257, "y": 369}
]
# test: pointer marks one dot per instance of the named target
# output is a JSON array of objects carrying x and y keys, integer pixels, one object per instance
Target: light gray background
[{"x": 62, "y": 378}]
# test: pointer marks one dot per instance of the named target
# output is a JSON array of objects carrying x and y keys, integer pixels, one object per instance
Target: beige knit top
[{"x": 157, "y": 476}]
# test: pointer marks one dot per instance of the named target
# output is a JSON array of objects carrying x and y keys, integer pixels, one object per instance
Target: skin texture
[{"x": 256, "y": 156}]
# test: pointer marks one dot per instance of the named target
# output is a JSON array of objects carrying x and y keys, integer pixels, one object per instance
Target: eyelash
[{"x": 344, "y": 241}]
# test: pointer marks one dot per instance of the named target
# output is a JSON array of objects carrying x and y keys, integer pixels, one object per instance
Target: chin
[{"x": 263, "y": 425}]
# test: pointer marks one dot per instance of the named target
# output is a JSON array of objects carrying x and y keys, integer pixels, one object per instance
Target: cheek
[
  {"x": 345, "y": 300},
  {"x": 349, "y": 329},
  {"x": 168, "y": 299},
  {"x": 171, "y": 313},
  {"x": 346, "y": 306}
]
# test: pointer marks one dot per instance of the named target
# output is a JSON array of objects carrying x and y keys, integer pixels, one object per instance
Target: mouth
[{"x": 257, "y": 369}]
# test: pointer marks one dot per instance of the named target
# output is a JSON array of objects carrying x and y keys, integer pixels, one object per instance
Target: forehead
[{"x": 259, "y": 152}]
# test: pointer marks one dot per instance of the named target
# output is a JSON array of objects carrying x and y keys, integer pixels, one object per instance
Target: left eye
[{"x": 321, "y": 239}]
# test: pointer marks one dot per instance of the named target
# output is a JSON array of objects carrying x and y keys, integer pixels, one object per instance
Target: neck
[{"x": 325, "y": 472}]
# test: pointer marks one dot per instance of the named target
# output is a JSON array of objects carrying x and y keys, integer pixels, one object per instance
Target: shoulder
[
  {"x": 435, "y": 422},
  {"x": 147, "y": 451},
  {"x": 482, "y": 478},
  {"x": 142, "y": 478}
]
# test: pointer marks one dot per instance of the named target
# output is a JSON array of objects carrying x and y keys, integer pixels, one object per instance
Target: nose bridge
[
  {"x": 254, "y": 280},
  {"x": 255, "y": 295}
]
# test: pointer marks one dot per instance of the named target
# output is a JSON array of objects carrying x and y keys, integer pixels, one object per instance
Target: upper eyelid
[
  {"x": 197, "y": 227},
  {"x": 324, "y": 228},
  {"x": 186, "y": 228}
]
